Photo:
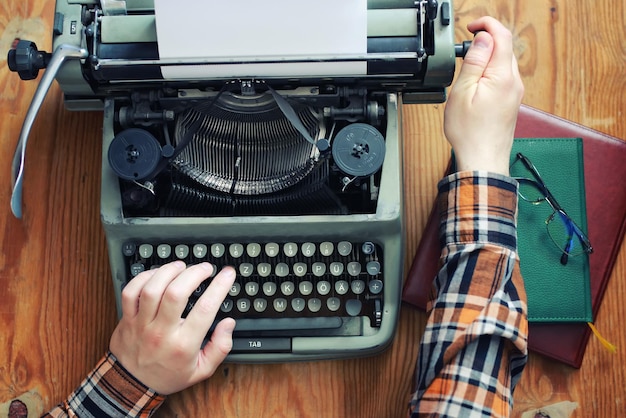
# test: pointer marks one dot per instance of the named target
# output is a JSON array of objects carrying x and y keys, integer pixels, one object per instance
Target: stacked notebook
[
  {"x": 556, "y": 292},
  {"x": 557, "y": 314}
]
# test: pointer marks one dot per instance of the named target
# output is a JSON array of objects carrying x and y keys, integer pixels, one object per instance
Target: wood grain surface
[{"x": 56, "y": 298}]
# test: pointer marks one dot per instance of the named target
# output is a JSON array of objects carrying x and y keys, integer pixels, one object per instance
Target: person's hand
[
  {"x": 155, "y": 344},
  {"x": 482, "y": 108}
]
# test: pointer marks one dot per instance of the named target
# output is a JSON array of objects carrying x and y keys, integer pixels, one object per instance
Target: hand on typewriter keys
[
  {"x": 154, "y": 344},
  {"x": 483, "y": 103}
]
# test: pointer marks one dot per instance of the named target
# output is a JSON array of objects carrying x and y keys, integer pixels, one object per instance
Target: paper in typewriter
[{"x": 235, "y": 29}]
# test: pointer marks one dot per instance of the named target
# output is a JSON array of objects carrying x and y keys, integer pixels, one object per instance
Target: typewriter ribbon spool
[
  {"x": 134, "y": 154},
  {"x": 359, "y": 150}
]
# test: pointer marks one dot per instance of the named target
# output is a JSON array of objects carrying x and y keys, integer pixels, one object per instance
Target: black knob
[
  {"x": 323, "y": 145},
  {"x": 26, "y": 60},
  {"x": 461, "y": 49}
]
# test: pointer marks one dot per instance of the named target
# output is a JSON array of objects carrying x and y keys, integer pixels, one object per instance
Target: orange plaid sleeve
[
  {"x": 475, "y": 344},
  {"x": 109, "y": 391}
]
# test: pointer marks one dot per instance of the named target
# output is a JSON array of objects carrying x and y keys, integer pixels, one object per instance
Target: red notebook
[{"x": 605, "y": 170}]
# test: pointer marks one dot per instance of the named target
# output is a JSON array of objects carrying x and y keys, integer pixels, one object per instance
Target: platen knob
[{"x": 26, "y": 60}]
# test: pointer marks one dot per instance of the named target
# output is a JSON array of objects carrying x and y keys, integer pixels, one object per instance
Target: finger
[
  {"x": 131, "y": 292},
  {"x": 176, "y": 296},
  {"x": 152, "y": 292},
  {"x": 206, "y": 307},
  {"x": 218, "y": 347},
  {"x": 502, "y": 38},
  {"x": 477, "y": 59}
]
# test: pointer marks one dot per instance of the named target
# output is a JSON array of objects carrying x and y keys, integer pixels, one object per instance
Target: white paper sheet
[{"x": 235, "y": 29}]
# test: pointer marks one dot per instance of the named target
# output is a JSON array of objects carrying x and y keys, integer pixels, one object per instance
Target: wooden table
[{"x": 56, "y": 298}]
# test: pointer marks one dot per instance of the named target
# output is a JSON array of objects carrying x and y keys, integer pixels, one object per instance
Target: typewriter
[{"x": 286, "y": 167}]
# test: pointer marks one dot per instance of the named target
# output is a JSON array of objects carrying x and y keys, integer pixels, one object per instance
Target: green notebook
[{"x": 556, "y": 292}]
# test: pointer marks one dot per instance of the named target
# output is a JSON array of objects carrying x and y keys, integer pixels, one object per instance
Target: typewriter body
[{"x": 294, "y": 179}]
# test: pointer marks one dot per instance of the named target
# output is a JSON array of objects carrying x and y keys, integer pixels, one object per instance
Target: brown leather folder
[{"x": 605, "y": 171}]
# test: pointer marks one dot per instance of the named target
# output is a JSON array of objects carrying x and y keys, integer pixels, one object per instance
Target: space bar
[{"x": 281, "y": 324}]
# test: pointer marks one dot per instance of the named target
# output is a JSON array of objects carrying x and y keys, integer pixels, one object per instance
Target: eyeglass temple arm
[{"x": 542, "y": 185}]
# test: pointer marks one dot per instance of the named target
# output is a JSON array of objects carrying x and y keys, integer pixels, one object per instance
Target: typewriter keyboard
[{"x": 283, "y": 288}]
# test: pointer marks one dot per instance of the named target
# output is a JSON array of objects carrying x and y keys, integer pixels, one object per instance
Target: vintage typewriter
[{"x": 293, "y": 176}]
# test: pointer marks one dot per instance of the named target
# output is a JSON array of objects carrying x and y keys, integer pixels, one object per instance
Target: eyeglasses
[{"x": 563, "y": 231}]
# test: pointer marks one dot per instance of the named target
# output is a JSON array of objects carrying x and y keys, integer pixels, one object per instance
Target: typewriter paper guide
[{"x": 238, "y": 29}]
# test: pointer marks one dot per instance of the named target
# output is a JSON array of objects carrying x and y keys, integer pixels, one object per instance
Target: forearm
[
  {"x": 474, "y": 346},
  {"x": 109, "y": 391}
]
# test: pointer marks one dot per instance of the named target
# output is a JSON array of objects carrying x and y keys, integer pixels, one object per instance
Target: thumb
[
  {"x": 477, "y": 58},
  {"x": 220, "y": 344}
]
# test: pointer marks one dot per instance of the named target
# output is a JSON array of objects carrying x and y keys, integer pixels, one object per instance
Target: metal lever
[{"x": 61, "y": 53}]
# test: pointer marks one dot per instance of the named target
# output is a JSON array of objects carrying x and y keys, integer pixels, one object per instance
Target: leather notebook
[{"x": 604, "y": 171}]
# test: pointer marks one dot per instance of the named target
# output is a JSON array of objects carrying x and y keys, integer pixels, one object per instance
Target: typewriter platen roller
[{"x": 294, "y": 177}]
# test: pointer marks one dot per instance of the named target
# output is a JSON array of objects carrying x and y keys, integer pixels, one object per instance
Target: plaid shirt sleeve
[
  {"x": 109, "y": 391},
  {"x": 474, "y": 347}
]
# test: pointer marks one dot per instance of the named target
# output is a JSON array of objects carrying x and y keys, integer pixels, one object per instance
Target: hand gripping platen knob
[{"x": 26, "y": 60}]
